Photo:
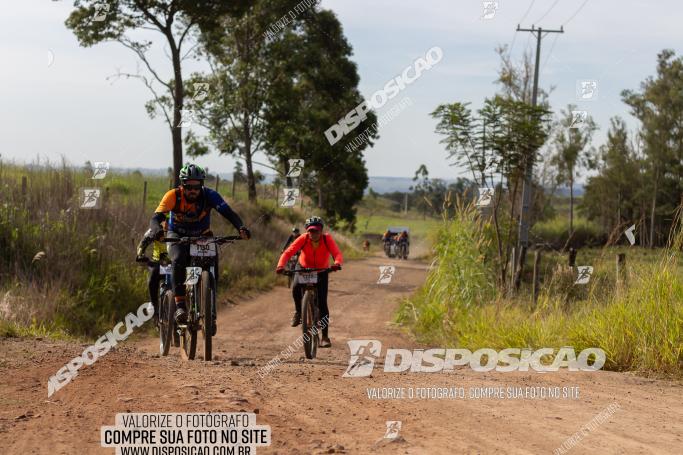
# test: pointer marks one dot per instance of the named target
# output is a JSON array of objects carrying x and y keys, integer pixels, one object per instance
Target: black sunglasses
[{"x": 192, "y": 187}]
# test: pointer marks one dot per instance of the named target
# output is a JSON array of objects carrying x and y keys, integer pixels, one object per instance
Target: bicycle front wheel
[
  {"x": 309, "y": 323},
  {"x": 207, "y": 305},
  {"x": 166, "y": 322}
]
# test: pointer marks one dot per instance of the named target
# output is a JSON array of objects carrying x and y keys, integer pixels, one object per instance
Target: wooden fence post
[
  {"x": 218, "y": 181},
  {"x": 513, "y": 263},
  {"x": 572, "y": 257},
  {"x": 144, "y": 195},
  {"x": 537, "y": 273},
  {"x": 233, "y": 184},
  {"x": 621, "y": 262}
]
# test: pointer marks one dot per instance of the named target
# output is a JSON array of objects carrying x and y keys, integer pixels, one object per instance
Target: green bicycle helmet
[{"x": 192, "y": 172}]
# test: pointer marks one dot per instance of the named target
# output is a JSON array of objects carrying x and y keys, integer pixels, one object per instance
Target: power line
[
  {"x": 514, "y": 36},
  {"x": 550, "y": 53},
  {"x": 547, "y": 12},
  {"x": 577, "y": 12}
]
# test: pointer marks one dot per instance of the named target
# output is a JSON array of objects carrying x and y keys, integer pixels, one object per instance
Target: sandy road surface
[{"x": 309, "y": 406}]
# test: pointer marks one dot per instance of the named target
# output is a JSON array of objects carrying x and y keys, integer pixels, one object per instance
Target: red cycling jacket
[{"x": 312, "y": 256}]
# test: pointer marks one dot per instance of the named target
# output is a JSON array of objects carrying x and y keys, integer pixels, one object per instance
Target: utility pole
[{"x": 523, "y": 237}]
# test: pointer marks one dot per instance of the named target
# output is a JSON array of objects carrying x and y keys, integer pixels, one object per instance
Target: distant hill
[
  {"x": 391, "y": 184},
  {"x": 378, "y": 184}
]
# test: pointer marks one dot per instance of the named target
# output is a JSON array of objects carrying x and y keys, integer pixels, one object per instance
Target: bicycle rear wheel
[
  {"x": 309, "y": 323},
  {"x": 166, "y": 322},
  {"x": 207, "y": 301}
]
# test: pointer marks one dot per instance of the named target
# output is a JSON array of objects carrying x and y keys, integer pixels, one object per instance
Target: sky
[{"x": 58, "y": 99}]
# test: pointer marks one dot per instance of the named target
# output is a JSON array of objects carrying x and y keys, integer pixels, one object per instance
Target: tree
[
  {"x": 659, "y": 107},
  {"x": 241, "y": 71},
  {"x": 97, "y": 21},
  {"x": 618, "y": 182},
  {"x": 314, "y": 87},
  {"x": 570, "y": 142}
]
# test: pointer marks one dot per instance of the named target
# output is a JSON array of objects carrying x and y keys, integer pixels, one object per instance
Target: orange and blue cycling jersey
[{"x": 194, "y": 218}]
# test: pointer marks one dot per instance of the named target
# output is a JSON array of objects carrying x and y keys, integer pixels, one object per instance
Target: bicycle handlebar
[
  {"x": 218, "y": 239},
  {"x": 306, "y": 270}
]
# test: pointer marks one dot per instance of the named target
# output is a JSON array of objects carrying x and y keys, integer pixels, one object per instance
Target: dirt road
[{"x": 310, "y": 407}]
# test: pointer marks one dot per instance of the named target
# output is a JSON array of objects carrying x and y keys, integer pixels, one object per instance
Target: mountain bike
[
  {"x": 310, "y": 312},
  {"x": 291, "y": 266},
  {"x": 403, "y": 249},
  {"x": 163, "y": 314},
  {"x": 390, "y": 248},
  {"x": 166, "y": 323},
  {"x": 200, "y": 294}
]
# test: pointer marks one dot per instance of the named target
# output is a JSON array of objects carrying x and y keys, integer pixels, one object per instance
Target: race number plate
[
  {"x": 203, "y": 250},
  {"x": 192, "y": 275},
  {"x": 166, "y": 269},
  {"x": 308, "y": 278}
]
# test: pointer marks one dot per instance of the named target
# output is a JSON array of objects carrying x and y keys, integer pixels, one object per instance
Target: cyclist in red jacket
[{"x": 316, "y": 249}]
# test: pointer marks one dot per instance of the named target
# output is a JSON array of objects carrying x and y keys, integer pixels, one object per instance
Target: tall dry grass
[
  {"x": 638, "y": 321},
  {"x": 70, "y": 270}
]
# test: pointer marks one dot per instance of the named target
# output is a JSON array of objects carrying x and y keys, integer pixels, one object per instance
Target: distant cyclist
[
  {"x": 190, "y": 207},
  {"x": 158, "y": 254},
  {"x": 293, "y": 236},
  {"x": 294, "y": 260},
  {"x": 316, "y": 250}
]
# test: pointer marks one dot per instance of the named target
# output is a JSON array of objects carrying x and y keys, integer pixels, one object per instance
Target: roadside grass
[
  {"x": 65, "y": 270},
  {"x": 637, "y": 321},
  {"x": 555, "y": 232}
]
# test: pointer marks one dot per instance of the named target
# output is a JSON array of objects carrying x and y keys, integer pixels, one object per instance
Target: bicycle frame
[
  {"x": 203, "y": 259},
  {"x": 310, "y": 316}
]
